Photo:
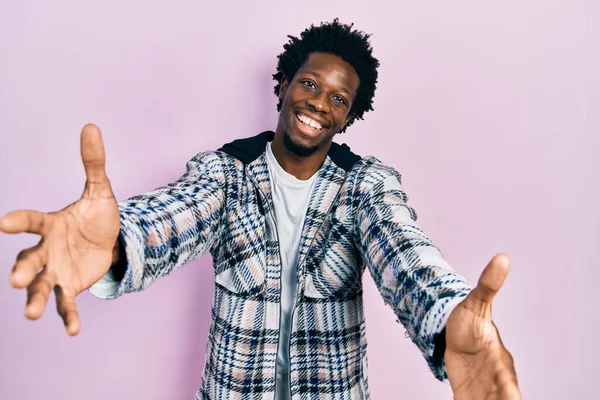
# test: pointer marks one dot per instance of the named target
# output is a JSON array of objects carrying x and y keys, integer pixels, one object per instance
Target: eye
[
  {"x": 309, "y": 84},
  {"x": 340, "y": 99}
]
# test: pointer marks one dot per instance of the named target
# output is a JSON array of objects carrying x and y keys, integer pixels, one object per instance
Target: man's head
[{"x": 326, "y": 79}]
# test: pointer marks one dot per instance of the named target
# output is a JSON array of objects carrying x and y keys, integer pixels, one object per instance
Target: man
[{"x": 291, "y": 220}]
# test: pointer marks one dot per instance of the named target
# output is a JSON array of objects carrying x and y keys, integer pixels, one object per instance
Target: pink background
[{"x": 490, "y": 111}]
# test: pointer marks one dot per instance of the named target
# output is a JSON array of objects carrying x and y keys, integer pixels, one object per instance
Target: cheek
[
  {"x": 286, "y": 116},
  {"x": 289, "y": 99},
  {"x": 340, "y": 118}
]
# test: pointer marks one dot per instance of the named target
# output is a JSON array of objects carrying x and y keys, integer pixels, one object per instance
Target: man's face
[{"x": 316, "y": 103}]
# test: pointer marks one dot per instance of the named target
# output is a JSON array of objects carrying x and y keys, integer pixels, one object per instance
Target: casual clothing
[
  {"x": 290, "y": 202},
  {"x": 357, "y": 219}
]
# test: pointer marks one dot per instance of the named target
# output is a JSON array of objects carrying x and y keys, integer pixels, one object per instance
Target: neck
[{"x": 300, "y": 167}]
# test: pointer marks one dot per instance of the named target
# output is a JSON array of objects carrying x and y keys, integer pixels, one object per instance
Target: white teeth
[{"x": 309, "y": 121}]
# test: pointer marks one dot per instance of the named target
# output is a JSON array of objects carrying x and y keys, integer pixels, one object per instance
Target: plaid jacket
[{"x": 357, "y": 218}]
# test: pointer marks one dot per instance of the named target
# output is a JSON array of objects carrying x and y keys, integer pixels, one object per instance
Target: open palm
[
  {"x": 77, "y": 243},
  {"x": 477, "y": 363}
]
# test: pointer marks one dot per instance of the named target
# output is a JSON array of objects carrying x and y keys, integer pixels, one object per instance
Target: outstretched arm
[
  {"x": 413, "y": 278},
  {"x": 143, "y": 238},
  {"x": 449, "y": 322}
]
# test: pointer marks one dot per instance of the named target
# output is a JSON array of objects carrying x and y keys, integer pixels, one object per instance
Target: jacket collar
[
  {"x": 332, "y": 175},
  {"x": 250, "y": 149}
]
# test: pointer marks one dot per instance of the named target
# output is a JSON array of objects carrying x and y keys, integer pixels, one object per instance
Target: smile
[{"x": 309, "y": 122}]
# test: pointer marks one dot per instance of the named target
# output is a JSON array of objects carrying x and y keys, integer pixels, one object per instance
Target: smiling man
[{"x": 292, "y": 220}]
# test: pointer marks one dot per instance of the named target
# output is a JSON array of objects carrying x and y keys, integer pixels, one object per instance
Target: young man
[{"x": 291, "y": 220}]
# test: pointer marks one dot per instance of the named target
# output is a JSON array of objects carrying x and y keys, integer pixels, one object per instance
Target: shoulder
[
  {"x": 214, "y": 164},
  {"x": 213, "y": 159},
  {"x": 235, "y": 154},
  {"x": 371, "y": 172},
  {"x": 368, "y": 168},
  {"x": 380, "y": 185}
]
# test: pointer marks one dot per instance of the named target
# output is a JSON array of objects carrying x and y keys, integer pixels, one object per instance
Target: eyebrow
[{"x": 317, "y": 75}]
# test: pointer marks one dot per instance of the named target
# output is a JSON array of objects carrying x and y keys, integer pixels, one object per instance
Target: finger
[
  {"x": 93, "y": 156},
  {"x": 38, "y": 293},
  {"x": 492, "y": 278},
  {"x": 67, "y": 309},
  {"x": 29, "y": 263},
  {"x": 25, "y": 221}
]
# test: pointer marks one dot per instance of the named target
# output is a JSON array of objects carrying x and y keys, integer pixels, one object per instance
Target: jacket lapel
[
  {"x": 258, "y": 172},
  {"x": 327, "y": 187}
]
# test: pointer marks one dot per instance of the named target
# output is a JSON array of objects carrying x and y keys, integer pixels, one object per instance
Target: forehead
[{"x": 332, "y": 69}]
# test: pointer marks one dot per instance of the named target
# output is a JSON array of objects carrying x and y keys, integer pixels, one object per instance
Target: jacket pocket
[
  {"x": 332, "y": 277},
  {"x": 240, "y": 261},
  {"x": 332, "y": 268},
  {"x": 246, "y": 278}
]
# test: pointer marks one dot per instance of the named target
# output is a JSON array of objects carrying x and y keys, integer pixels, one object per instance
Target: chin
[{"x": 297, "y": 147}]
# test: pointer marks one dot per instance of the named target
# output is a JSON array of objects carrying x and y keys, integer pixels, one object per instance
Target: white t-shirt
[{"x": 290, "y": 201}]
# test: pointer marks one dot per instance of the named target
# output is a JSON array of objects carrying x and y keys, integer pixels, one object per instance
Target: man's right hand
[{"x": 77, "y": 245}]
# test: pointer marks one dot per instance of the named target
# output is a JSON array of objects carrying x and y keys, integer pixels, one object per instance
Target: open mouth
[{"x": 309, "y": 122}]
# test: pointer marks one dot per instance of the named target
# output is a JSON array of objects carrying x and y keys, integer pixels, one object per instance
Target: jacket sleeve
[
  {"x": 408, "y": 270},
  {"x": 168, "y": 227}
]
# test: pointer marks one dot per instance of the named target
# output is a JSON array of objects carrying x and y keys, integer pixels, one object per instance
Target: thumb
[
  {"x": 93, "y": 156},
  {"x": 492, "y": 278}
]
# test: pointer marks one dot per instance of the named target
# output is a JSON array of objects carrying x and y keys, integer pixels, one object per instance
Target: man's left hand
[{"x": 477, "y": 363}]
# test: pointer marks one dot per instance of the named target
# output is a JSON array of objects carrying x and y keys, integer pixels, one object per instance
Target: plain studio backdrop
[{"x": 490, "y": 110}]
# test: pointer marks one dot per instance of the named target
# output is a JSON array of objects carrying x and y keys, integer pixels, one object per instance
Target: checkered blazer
[{"x": 357, "y": 218}]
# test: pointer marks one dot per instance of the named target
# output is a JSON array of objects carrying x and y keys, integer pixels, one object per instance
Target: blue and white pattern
[{"x": 358, "y": 219}]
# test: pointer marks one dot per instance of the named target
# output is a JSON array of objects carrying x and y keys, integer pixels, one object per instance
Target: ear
[{"x": 283, "y": 86}]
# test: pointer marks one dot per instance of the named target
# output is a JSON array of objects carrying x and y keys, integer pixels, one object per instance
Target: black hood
[{"x": 249, "y": 149}]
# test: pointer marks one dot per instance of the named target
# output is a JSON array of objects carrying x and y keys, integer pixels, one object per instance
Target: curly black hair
[{"x": 341, "y": 40}]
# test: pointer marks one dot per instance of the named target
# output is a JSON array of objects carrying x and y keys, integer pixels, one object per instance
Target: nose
[{"x": 319, "y": 102}]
